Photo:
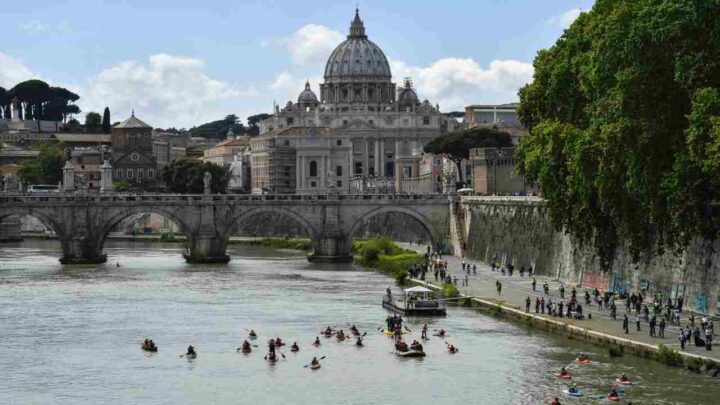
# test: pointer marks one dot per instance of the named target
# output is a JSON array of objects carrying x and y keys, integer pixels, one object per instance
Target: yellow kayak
[{"x": 391, "y": 333}]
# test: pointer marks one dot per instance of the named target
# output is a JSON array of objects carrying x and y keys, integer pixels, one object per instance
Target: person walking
[
  {"x": 474, "y": 269},
  {"x": 653, "y": 322},
  {"x": 498, "y": 285},
  {"x": 527, "y": 305},
  {"x": 534, "y": 283},
  {"x": 626, "y": 321},
  {"x": 682, "y": 340},
  {"x": 637, "y": 322},
  {"x": 662, "y": 327},
  {"x": 466, "y": 279},
  {"x": 708, "y": 339},
  {"x": 542, "y": 305},
  {"x": 537, "y": 305}
]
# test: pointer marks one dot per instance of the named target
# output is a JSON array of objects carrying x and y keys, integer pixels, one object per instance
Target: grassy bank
[
  {"x": 384, "y": 255},
  {"x": 278, "y": 243}
]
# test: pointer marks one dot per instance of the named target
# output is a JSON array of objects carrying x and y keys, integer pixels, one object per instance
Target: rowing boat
[
  {"x": 410, "y": 353},
  {"x": 314, "y": 366}
]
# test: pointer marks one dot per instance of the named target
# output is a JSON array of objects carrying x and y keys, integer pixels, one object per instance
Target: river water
[{"x": 70, "y": 335}]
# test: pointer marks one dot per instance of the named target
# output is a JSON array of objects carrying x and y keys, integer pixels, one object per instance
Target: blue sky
[{"x": 182, "y": 63}]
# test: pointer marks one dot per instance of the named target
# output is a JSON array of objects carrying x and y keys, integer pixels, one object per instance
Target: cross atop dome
[{"x": 357, "y": 29}]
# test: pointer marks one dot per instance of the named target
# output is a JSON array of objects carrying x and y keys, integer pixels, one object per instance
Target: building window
[
  {"x": 406, "y": 122},
  {"x": 358, "y": 168},
  {"x": 129, "y": 173},
  {"x": 313, "y": 169},
  {"x": 371, "y": 122},
  {"x": 290, "y": 121},
  {"x": 426, "y": 120},
  {"x": 139, "y": 174},
  {"x": 313, "y": 184},
  {"x": 118, "y": 173},
  {"x": 286, "y": 143},
  {"x": 151, "y": 174},
  {"x": 339, "y": 142},
  {"x": 339, "y": 183},
  {"x": 338, "y": 171},
  {"x": 345, "y": 122}
]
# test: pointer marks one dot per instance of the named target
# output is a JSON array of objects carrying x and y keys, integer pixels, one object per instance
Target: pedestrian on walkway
[
  {"x": 653, "y": 322},
  {"x": 560, "y": 308},
  {"x": 529, "y": 270},
  {"x": 562, "y": 291},
  {"x": 546, "y": 288},
  {"x": 662, "y": 327},
  {"x": 527, "y": 305},
  {"x": 537, "y": 305},
  {"x": 637, "y": 321},
  {"x": 498, "y": 285},
  {"x": 455, "y": 280},
  {"x": 542, "y": 305},
  {"x": 625, "y": 324},
  {"x": 680, "y": 304},
  {"x": 522, "y": 271},
  {"x": 474, "y": 269},
  {"x": 466, "y": 280},
  {"x": 708, "y": 339},
  {"x": 534, "y": 283},
  {"x": 692, "y": 320},
  {"x": 682, "y": 341}
]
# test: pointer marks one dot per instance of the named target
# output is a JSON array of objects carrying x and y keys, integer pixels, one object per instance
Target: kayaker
[
  {"x": 613, "y": 393},
  {"x": 340, "y": 335},
  {"x": 328, "y": 331},
  {"x": 314, "y": 362},
  {"x": 190, "y": 351},
  {"x": 272, "y": 356},
  {"x": 253, "y": 334},
  {"x": 424, "y": 332},
  {"x": 555, "y": 401},
  {"x": 354, "y": 330},
  {"x": 271, "y": 346},
  {"x": 582, "y": 357},
  {"x": 359, "y": 341},
  {"x": 573, "y": 389},
  {"x": 624, "y": 378},
  {"x": 401, "y": 346},
  {"x": 278, "y": 342},
  {"x": 441, "y": 332},
  {"x": 294, "y": 347},
  {"x": 246, "y": 345},
  {"x": 563, "y": 371},
  {"x": 317, "y": 341},
  {"x": 452, "y": 348}
]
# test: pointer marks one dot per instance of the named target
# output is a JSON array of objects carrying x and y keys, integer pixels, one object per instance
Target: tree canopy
[
  {"x": 254, "y": 123},
  {"x": 185, "y": 176},
  {"x": 106, "y": 126},
  {"x": 456, "y": 145},
  {"x": 219, "y": 129},
  {"x": 624, "y": 122},
  {"x": 39, "y": 101},
  {"x": 47, "y": 169},
  {"x": 93, "y": 120}
]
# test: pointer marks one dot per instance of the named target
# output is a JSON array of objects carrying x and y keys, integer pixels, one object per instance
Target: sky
[{"x": 183, "y": 63}]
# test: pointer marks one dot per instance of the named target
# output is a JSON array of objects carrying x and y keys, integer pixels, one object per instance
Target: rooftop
[{"x": 132, "y": 122}]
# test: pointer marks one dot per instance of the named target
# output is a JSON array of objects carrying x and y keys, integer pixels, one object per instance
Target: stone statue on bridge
[
  {"x": 207, "y": 178},
  {"x": 12, "y": 184}
]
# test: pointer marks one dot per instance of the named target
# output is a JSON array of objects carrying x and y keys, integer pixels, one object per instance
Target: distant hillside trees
[
  {"x": 39, "y": 101},
  {"x": 219, "y": 129}
]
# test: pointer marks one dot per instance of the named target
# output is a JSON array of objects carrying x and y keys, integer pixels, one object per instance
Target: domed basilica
[{"x": 386, "y": 126}]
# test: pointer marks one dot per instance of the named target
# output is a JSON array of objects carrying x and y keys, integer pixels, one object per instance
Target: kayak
[
  {"x": 609, "y": 398},
  {"x": 327, "y": 335},
  {"x": 621, "y": 382},
  {"x": 410, "y": 353},
  {"x": 355, "y": 332},
  {"x": 564, "y": 377},
  {"x": 572, "y": 394},
  {"x": 191, "y": 356},
  {"x": 391, "y": 333},
  {"x": 316, "y": 344},
  {"x": 272, "y": 359},
  {"x": 341, "y": 338},
  {"x": 295, "y": 349},
  {"x": 582, "y": 361},
  {"x": 439, "y": 335},
  {"x": 314, "y": 366},
  {"x": 148, "y": 349},
  {"x": 252, "y": 337},
  {"x": 279, "y": 344},
  {"x": 453, "y": 351},
  {"x": 246, "y": 351}
]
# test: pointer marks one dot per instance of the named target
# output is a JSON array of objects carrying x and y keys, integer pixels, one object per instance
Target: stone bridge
[{"x": 82, "y": 222}]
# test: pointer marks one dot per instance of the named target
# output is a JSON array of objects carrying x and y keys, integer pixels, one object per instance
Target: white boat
[{"x": 417, "y": 300}]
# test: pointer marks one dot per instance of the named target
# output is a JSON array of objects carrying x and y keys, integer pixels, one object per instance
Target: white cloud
[
  {"x": 34, "y": 26},
  {"x": 566, "y": 19},
  {"x": 310, "y": 44},
  {"x": 168, "y": 91},
  {"x": 12, "y": 71},
  {"x": 457, "y": 82}
]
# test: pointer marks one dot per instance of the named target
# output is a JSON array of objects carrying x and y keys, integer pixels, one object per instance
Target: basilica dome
[
  {"x": 357, "y": 57},
  {"x": 307, "y": 96}
]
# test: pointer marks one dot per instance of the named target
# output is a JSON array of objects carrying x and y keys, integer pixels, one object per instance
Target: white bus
[{"x": 43, "y": 189}]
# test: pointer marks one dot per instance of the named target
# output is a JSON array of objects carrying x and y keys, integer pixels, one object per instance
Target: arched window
[{"x": 313, "y": 168}]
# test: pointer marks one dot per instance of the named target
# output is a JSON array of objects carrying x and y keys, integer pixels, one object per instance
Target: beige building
[
  {"x": 223, "y": 154},
  {"x": 359, "y": 101},
  {"x": 302, "y": 160},
  {"x": 86, "y": 164},
  {"x": 494, "y": 172}
]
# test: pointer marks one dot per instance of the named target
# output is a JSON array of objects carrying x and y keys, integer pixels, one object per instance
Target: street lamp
[{"x": 497, "y": 162}]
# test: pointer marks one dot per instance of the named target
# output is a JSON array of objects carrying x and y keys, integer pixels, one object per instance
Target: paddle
[
  {"x": 281, "y": 353},
  {"x": 620, "y": 392},
  {"x": 308, "y": 365}
]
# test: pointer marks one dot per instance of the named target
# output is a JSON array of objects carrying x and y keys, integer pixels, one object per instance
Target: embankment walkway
[{"x": 516, "y": 289}]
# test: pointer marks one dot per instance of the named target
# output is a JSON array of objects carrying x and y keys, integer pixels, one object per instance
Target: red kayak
[
  {"x": 582, "y": 361},
  {"x": 609, "y": 398},
  {"x": 295, "y": 349},
  {"x": 564, "y": 376}
]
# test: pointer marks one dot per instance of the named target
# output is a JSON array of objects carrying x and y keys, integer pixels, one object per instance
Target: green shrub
[
  {"x": 694, "y": 364},
  {"x": 281, "y": 243},
  {"x": 669, "y": 356},
  {"x": 450, "y": 290},
  {"x": 384, "y": 255},
  {"x": 401, "y": 276}
]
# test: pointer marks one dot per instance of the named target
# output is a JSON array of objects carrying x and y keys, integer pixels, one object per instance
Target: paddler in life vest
[
  {"x": 555, "y": 401},
  {"x": 340, "y": 335},
  {"x": 354, "y": 330},
  {"x": 613, "y": 393},
  {"x": 190, "y": 351},
  {"x": 317, "y": 341},
  {"x": 359, "y": 341},
  {"x": 253, "y": 334},
  {"x": 294, "y": 347},
  {"x": 441, "y": 332},
  {"x": 245, "y": 347},
  {"x": 573, "y": 389},
  {"x": 278, "y": 342},
  {"x": 564, "y": 372},
  {"x": 328, "y": 331},
  {"x": 452, "y": 348},
  {"x": 271, "y": 346},
  {"x": 314, "y": 362},
  {"x": 582, "y": 357}
]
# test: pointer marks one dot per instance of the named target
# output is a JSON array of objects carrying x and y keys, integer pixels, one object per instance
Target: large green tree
[
  {"x": 106, "y": 126},
  {"x": 185, "y": 176},
  {"x": 624, "y": 122},
  {"x": 52, "y": 159},
  {"x": 254, "y": 123},
  {"x": 93, "y": 120},
  {"x": 456, "y": 145}
]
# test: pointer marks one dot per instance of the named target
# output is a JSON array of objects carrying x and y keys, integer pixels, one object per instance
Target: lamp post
[{"x": 497, "y": 162}]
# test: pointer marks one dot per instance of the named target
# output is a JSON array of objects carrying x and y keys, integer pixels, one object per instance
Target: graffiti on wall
[{"x": 701, "y": 302}]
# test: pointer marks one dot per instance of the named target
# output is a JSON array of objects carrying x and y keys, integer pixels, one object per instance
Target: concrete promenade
[{"x": 516, "y": 289}]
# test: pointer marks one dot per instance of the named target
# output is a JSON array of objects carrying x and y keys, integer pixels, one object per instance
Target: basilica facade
[{"x": 387, "y": 125}]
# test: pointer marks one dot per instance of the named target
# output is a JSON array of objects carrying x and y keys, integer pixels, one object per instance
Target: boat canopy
[{"x": 417, "y": 290}]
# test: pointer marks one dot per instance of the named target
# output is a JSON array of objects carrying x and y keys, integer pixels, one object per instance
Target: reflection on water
[{"x": 71, "y": 335}]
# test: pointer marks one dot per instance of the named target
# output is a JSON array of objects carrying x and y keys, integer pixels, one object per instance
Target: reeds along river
[{"x": 70, "y": 335}]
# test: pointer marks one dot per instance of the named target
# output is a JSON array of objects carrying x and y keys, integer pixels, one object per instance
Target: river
[{"x": 70, "y": 335}]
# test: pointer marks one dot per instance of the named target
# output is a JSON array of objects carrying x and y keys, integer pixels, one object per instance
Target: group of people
[
  {"x": 149, "y": 345},
  {"x": 574, "y": 391}
]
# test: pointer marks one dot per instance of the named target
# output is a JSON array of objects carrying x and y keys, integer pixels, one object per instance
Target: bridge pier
[
  {"x": 81, "y": 250},
  {"x": 206, "y": 249},
  {"x": 331, "y": 248}
]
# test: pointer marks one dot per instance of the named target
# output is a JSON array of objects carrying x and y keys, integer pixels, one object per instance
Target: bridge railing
[{"x": 202, "y": 198}]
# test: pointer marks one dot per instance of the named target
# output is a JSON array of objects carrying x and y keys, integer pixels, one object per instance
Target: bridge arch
[
  {"x": 311, "y": 231},
  {"x": 47, "y": 219},
  {"x": 419, "y": 217}
]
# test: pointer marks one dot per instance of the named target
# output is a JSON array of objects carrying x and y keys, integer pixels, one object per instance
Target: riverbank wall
[
  {"x": 517, "y": 230},
  {"x": 616, "y": 344}
]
